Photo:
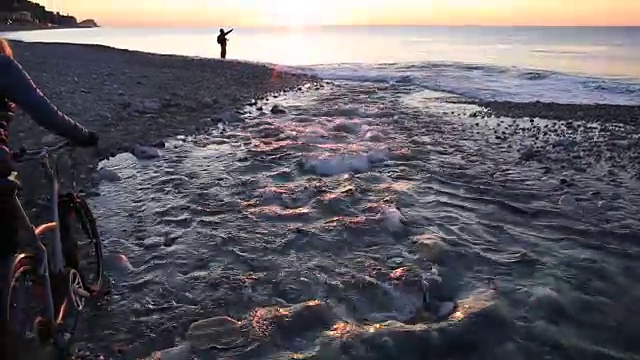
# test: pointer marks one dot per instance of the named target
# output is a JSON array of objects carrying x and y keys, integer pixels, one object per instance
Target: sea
[
  {"x": 549, "y": 64},
  {"x": 380, "y": 217}
]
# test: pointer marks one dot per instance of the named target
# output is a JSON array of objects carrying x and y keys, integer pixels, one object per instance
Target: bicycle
[{"x": 54, "y": 265}]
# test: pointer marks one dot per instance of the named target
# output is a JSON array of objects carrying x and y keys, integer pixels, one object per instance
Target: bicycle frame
[{"x": 48, "y": 265}]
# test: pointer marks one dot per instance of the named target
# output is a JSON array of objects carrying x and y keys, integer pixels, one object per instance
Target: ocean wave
[
  {"x": 560, "y": 52},
  {"x": 484, "y": 82}
]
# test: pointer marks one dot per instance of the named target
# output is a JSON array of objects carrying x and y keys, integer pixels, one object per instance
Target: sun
[{"x": 294, "y": 14}]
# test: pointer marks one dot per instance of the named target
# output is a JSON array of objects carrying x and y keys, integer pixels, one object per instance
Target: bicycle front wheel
[
  {"x": 81, "y": 242},
  {"x": 24, "y": 299}
]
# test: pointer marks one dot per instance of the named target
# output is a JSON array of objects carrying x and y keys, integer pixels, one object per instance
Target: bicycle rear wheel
[{"x": 81, "y": 242}]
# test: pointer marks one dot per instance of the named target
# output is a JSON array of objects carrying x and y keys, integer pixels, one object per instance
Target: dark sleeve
[
  {"x": 228, "y": 32},
  {"x": 18, "y": 88}
]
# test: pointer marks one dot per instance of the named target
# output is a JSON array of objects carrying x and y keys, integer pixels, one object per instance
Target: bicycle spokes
[{"x": 77, "y": 293}]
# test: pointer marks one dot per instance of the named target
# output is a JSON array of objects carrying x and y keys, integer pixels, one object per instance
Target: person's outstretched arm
[
  {"x": 18, "y": 88},
  {"x": 228, "y": 32}
]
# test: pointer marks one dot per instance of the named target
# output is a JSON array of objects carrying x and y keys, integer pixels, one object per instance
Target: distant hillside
[{"x": 16, "y": 11}]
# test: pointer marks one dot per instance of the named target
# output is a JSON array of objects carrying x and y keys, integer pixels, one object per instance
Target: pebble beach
[{"x": 133, "y": 98}]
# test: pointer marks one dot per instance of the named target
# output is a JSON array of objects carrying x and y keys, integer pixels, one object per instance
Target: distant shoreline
[{"x": 4, "y": 28}]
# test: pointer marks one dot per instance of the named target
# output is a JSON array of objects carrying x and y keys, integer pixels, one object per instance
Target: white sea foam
[
  {"x": 486, "y": 82},
  {"x": 334, "y": 164}
]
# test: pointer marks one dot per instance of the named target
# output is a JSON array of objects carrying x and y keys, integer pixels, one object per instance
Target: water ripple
[{"x": 314, "y": 230}]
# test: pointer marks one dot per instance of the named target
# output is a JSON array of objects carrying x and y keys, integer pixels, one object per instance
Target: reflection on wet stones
[
  {"x": 358, "y": 228},
  {"x": 338, "y": 202},
  {"x": 290, "y": 322},
  {"x": 274, "y": 212},
  {"x": 430, "y": 246},
  {"x": 460, "y": 337}
]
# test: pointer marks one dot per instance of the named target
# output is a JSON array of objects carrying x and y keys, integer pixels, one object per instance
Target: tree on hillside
[
  {"x": 7, "y": 5},
  {"x": 38, "y": 12}
]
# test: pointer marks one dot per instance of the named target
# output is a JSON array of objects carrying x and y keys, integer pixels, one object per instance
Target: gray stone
[
  {"x": 160, "y": 144},
  {"x": 109, "y": 175},
  {"x": 568, "y": 202},
  {"x": 529, "y": 153},
  {"x": 182, "y": 352},
  {"x": 209, "y": 101},
  {"x": 145, "y": 152},
  {"x": 565, "y": 142},
  {"x": 277, "y": 110},
  {"x": 51, "y": 140},
  {"x": 230, "y": 117},
  {"x": 147, "y": 106},
  {"x": 152, "y": 242},
  {"x": 151, "y": 105}
]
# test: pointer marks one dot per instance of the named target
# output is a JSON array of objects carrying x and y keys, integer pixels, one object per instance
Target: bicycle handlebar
[{"x": 35, "y": 154}]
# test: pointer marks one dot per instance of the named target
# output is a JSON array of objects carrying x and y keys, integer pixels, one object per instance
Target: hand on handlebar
[{"x": 23, "y": 154}]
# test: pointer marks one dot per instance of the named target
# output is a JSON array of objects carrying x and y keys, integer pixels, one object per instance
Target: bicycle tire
[
  {"x": 74, "y": 209},
  {"x": 26, "y": 266}
]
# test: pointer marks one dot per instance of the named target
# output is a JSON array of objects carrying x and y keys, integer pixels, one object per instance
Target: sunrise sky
[{"x": 206, "y": 13}]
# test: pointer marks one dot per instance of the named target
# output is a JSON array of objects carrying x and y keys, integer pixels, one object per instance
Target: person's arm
[
  {"x": 18, "y": 87},
  {"x": 228, "y": 32}
]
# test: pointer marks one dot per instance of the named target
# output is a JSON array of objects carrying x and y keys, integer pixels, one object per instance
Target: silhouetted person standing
[{"x": 222, "y": 41}]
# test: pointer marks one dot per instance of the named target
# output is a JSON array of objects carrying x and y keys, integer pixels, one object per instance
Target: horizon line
[{"x": 368, "y": 25}]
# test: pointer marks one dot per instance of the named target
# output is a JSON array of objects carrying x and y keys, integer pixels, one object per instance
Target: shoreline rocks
[
  {"x": 577, "y": 137},
  {"x": 622, "y": 114}
]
